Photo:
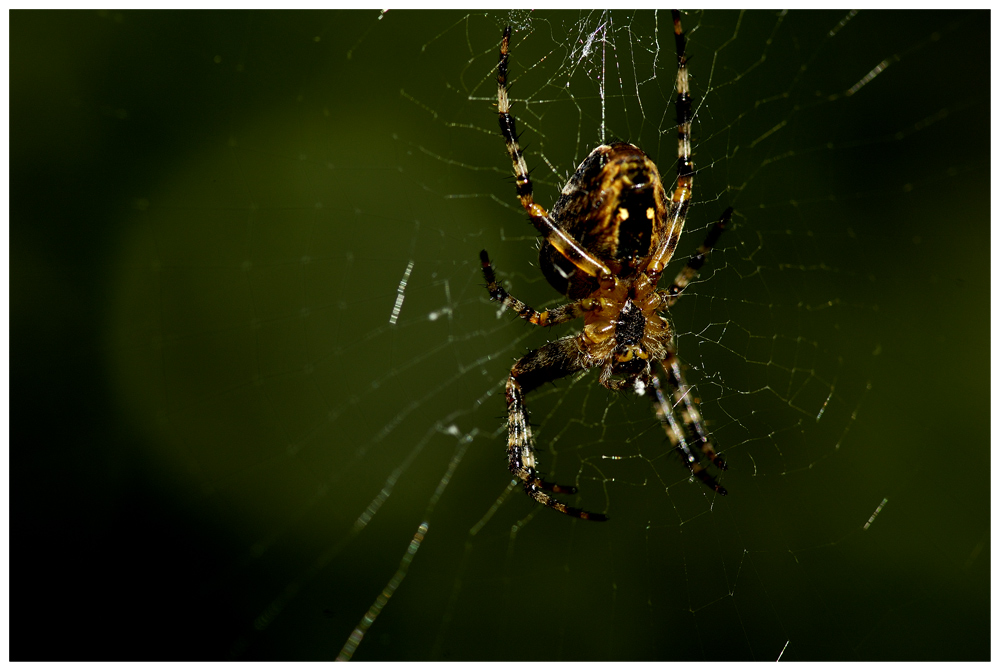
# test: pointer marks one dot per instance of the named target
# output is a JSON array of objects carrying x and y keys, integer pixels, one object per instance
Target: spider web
[{"x": 300, "y": 338}]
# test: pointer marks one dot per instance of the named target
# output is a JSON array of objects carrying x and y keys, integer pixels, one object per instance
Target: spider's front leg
[
  {"x": 690, "y": 433},
  {"x": 550, "y": 362}
]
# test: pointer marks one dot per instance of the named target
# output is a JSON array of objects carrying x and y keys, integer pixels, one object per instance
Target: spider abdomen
[
  {"x": 634, "y": 219},
  {"x": 613, "y": 205}
]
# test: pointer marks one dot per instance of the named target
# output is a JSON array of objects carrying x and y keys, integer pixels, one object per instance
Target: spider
[{"x": 606, "y": 242}]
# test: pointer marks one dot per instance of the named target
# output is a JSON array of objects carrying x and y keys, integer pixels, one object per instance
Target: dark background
[{"x": 210, "y": 215}]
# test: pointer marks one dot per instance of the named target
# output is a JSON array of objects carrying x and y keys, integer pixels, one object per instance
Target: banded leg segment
[
  {"x": 557, "y": 359},
  {"x": 691, "y": 416},
  {"x": 692, "y": 421},
  {"x": 558, "y": 315},
  {"x": 695, "y": 263},
  {"x": 681, "y": 199},
  {"x": 559, "y": 239}
]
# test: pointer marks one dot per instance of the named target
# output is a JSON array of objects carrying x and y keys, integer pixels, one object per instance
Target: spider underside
[{"x": 606, "y": 243}]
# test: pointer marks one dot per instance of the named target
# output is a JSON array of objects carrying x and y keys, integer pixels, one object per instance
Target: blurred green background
[{"x": 223, "y": 444}]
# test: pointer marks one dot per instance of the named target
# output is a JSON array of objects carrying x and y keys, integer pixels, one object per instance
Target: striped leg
[
  {"x": 559, "y": 315},
  {"x": 559, "y": 239},
  {"x": 691, "y": 421},
  {"x": 694, "y": 264},
  {"x": 555, "y": 360},
  {"x": 683, "y": 394},
  {"x": 681, "y": 199}
]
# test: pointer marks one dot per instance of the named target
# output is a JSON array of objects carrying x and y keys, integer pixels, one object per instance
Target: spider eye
[{"x": 630, "y": 352}]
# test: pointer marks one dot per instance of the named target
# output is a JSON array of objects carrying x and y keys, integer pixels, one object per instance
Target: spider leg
[
  {"x": 694, "y": 264},
  {"x": 681, "y": 199},
  {"x": 691, "y": 415},
  {"x": 549, "y": 362},
  {"x": 559, "y": 239},
  {"x": 692, "y": 420},
  {"x": 559, "y": 315}
]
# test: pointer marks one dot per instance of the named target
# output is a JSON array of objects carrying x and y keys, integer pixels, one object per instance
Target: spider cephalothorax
[
  {"x": 606, "y": 243},
  {"x": 624, "y": 332}
]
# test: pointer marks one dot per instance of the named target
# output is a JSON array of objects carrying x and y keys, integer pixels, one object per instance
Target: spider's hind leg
[{"x": 562, "y": 241}]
